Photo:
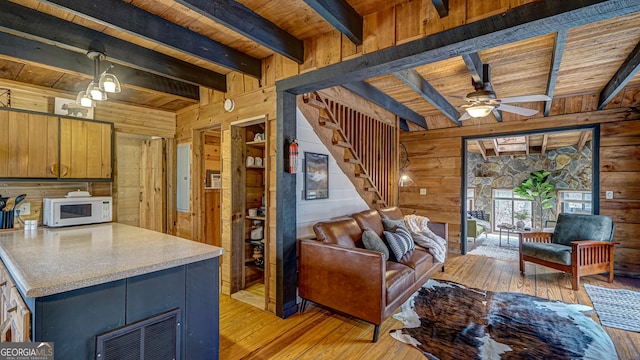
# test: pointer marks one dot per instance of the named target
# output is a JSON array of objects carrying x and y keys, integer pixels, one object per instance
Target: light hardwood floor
[{"x": 247, "y": 332}]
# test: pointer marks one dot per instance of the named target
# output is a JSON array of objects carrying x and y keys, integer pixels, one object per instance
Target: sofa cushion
[
  {"x": 392, "y": 225},
  {"x": 392, "y": 213},
  {"x": 419, "y": 259},
  {"x": 398, "y": 279},
  {"x": 345, "y": 233},
  {"x": 369, "y": 219},
  {"x": 575, "y": 227},
  {"x": 372, "y": 241},
  {"x": 399, "y": 241},
  {"x": 556, "y": 253}
]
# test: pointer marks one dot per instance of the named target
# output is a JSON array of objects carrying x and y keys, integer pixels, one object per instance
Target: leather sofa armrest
[
  {"x": 440, "y": 229},
  {"x": 349, "y": 280}
]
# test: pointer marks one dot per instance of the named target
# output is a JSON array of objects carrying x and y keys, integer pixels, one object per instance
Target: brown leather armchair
[{"x": 336, "y": 271}]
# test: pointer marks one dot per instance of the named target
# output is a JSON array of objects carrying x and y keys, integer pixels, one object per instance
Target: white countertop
[{"x": 48, "y": 261}]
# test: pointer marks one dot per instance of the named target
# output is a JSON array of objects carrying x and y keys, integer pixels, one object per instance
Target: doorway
[
  {"x": 495, "y": 165},
  {"x": 140, "y": 181},
  {"x": 249, "y": 236}
]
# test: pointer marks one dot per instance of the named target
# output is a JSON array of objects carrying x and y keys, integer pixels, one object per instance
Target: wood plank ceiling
[{"x": 165, "y": 49}]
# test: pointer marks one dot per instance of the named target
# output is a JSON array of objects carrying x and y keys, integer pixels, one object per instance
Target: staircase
[{"x": 365, "y": 145}]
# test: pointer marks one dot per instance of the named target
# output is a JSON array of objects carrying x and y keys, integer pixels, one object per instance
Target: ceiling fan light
[
  {"x": 478, "y": 111},
  {"x": 84, "y": 100},
  {"x": 109, "y": 83}
]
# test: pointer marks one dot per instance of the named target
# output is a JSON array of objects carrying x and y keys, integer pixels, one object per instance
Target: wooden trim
[
  {"x": 41, "y": 53},
  {"x": 61, "y": 33},
  {"x": 341, "y": 16},
  {"x": 130, "y": 19},
  {"x": 558, "y": 49},
  {"x": 243, "y": 20},
  {"x": 524, "y": 22},
  {"x": 625, "y": 73}
]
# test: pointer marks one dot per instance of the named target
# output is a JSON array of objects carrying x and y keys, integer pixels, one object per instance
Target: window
[
  {"x": 505, "y": 206},
  {"x": 575, "y": 202},
  {"x": 471, "y": 194}
]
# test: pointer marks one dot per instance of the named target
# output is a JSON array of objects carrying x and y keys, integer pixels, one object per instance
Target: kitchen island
[{"x": 80, "y": 282}]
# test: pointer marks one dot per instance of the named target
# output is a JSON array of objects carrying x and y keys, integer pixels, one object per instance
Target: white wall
[{"x": 343, "y": 197}]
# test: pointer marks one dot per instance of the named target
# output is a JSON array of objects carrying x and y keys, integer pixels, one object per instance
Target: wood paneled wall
[
  {"x": 436, "y": 164},
  {"x": 126, "y": 118}
]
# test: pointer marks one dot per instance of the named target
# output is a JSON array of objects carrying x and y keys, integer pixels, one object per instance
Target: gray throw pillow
[
  {"x": 372, "y": 241},
  {"x": 400, "y": 242},
  {"x": 391, "y": 225}
]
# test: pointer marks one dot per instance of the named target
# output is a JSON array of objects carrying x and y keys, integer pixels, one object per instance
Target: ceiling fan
[{"x": 483, "y": 100}]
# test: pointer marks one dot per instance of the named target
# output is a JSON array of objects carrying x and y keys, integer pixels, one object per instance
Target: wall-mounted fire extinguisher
[{"x": 293, "y": 156}]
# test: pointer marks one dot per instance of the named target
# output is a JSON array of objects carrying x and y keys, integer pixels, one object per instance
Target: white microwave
[{"x": 72, "y": 211}]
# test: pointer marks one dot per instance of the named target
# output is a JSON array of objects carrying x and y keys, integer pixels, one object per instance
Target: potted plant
[
  {"x": 521, "y": 215},
  {"x": 539, "y": 190}
]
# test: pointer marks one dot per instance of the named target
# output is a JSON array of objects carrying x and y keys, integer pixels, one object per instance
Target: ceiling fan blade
[
  {"x": 464, "y": 116},
  {"x": 525, "y": 98},
  {"x": 517, "y": 110}
]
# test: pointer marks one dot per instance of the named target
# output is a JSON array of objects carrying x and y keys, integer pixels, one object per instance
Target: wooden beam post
[
  {"x": 556, "y": 58},
  {"x": 625, "y": 73}
]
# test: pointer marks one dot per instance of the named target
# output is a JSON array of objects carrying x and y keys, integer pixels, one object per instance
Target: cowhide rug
[{"x": 449, "y": 321}]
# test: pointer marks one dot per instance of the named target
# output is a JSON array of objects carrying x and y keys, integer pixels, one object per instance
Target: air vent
[{"x": 154, "y": 338}]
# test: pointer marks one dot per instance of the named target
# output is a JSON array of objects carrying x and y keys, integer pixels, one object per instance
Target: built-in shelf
[
  {"x": 255, "y": 167},
  {"x": 257, "y": 143},
  {"x": 263, "y": 218}
]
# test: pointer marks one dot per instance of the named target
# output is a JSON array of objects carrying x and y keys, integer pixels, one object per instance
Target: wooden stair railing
[{"x": 366, "y": 146}]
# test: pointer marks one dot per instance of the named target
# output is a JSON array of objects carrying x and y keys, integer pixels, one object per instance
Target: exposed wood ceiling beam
[
  {"x": 584, "y": 136},
  {"x": 243, "y": 20},
  {"x": 483, "y": 150},
  {"x": 545, "y": 141},
  {"x": 480, "y": 75},
  {"x": 37, "y": 52},
  {"x": 371, "y": 93},
  {"x": 341, "y": 16},
  {"x": 495, "y": 146},
  {"x": 624, "y": 74},
  {"x": 133, "y": 20},
  {"x": 55, "y": 31},
  {"x": 524, "y": 22},
  {"x": 558, "y": 49},
  {"x": 403, "y": 125},
  {"x": 442, "y": 7},
  {"x": 417, "y": 83}
]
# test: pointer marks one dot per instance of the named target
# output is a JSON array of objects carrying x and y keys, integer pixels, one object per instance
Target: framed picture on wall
[
  {"x": 316, "y": 176},
  {"x": 70, "y": 108}
]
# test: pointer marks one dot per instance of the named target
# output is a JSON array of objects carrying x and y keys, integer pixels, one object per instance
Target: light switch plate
[
  {"x": 609, "y": 194},
  {"x": 423, "y": 191}
]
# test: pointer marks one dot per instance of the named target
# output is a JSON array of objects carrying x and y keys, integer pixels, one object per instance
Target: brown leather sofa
[{"x": 336, "y": 271}]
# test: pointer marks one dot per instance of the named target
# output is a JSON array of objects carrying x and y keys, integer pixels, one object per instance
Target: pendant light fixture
[{"x": 100, "y": 85}]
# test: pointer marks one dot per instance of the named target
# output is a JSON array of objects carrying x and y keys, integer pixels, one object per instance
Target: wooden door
[
  {"x": 153, "y": 207},
  {"x": 85, "y": 149},
  {"x": 212, "y": 217},
  {"x": 127, "y": 179},
  {"x": 28, "y": 145}
]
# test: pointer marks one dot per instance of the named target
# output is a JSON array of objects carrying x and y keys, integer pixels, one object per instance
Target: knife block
[{"x": 6, "y": 219}]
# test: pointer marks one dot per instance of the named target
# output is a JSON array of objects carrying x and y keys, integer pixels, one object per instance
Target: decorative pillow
[
  {"x": 372, "y": 241},
  {"x": 392, "y": 225},
  {"x": 400, "y": 241}
]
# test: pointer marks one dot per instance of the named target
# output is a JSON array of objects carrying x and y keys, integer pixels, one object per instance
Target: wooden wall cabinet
[
  {"x": 28, "y": 145},
  {"x": 85, "y": 149},
  {"x": 42, "y": 146}
]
